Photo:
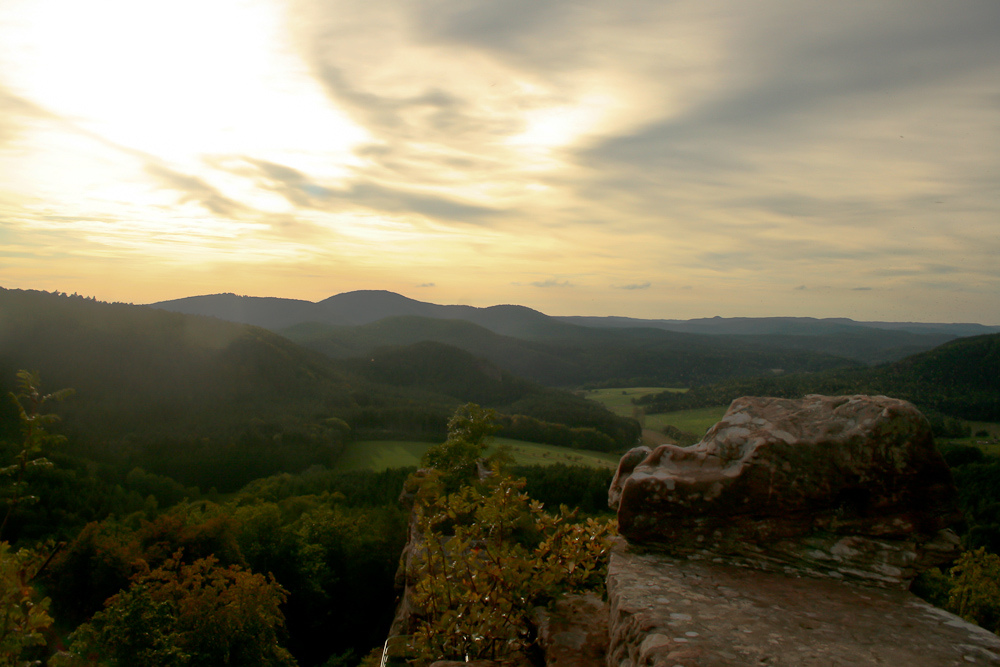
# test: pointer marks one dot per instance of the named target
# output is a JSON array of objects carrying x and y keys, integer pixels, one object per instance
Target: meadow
[
  {"x": 380, "y": 455},
  {"x": 619, "y": 401}
]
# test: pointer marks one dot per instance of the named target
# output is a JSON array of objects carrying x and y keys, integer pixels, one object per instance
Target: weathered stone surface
[
  {"x": 676, "y": 612},
  {"x": 574, "y": 631},
  {"x": 847, "y": 487}
]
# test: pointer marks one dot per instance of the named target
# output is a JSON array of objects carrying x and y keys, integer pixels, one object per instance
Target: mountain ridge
[
  {"x": 365, "y": 306},
  {"x": 867, "y": 343}
]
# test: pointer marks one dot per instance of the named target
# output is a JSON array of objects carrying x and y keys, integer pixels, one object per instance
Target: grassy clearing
[
  {"x": 384, "y": 454},
  {"x": 619, "y": 400},
  {"x": 531, "y": 453},
  {"x": 695, "y": 421},
  {"x": 990, "y": 443},
  {"x": 992, "y": 429}
]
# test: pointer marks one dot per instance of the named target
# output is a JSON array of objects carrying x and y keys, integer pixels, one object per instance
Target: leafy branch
[{"x": 30, "y": 401}]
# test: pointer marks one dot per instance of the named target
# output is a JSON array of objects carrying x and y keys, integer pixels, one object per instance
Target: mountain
[
  {"x": 569, "y": 355},
  {"x": 528, "y": 411},
  {"x": 521, "y": 357},
  {"x": 139, "y": 368},
  {"x": 202, "y": 400},
  {"x": 804, "y": 326},
  {"x": 865, "y": 342},
  {"x": 364, "y": 307},
  {"x": 518, "y": 339},
  {"x": 216, "y": 403},
  {"x": 960, "y": 379}
]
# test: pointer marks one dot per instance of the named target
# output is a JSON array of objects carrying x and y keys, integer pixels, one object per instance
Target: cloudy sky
[{"x": 649, "y": 158}]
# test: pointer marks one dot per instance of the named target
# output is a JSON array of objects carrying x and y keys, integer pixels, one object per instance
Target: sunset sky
[{"x": 648, "y": 158}]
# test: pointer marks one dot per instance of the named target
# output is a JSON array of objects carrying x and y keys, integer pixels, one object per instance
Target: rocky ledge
[
  {"x": 675, "y": 612},
  {"x": 848, "y": 487}
]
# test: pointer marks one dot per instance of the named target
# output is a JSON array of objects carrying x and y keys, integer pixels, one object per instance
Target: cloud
[
  {"x": 800, "y": 287},
  {"x": 642, "y": 285},
  {"x": 301, "y": 191},
  {"x": 861, "y": 289},
  {"x": 552, "y": 282},
  {"x": 427, "y": 285},
  {"x": 194, "y": 189},
  {"x": 15, "y": 111}
]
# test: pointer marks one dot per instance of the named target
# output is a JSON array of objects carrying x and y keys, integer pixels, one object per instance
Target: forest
[
  {"x": 193, "y": 465},
  {"x": 102, "y": 560}
]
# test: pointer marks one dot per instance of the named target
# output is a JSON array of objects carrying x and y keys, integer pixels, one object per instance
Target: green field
[
  {"x": 697, "y": 420},
  {"x": 990, "y": 444},
  {"x": 619, "y": 400},
  {"x": 383, "y": 454}
]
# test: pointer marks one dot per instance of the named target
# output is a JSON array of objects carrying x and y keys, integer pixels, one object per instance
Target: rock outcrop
[
  {"x": 676, "y": 612},
  {"x": 849, "y": 487}
]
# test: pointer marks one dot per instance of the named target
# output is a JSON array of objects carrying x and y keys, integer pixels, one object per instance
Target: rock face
[
  {"x": 845, "y": 487},
  {"x": 573, "y": 631},
  {"x": 677, "y": 612}
]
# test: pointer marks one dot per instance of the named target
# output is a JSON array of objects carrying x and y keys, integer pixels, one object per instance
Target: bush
[
  {"x": 489, "y": 558},
  {"x": 197, "y": 615}
]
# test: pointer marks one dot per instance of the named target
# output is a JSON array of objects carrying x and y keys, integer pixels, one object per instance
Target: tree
[
  {"x": 197, "y": 615},
  {"x": 29, "y": 401},
  {"x": 975, "y": 591},
  {"x": 488, "y": 557},
  {"x": 23, "y": 617},
  {"x": 469, "y": 433}
]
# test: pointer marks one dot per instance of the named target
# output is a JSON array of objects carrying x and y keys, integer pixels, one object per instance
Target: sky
[{"x": 643, "y": 158}]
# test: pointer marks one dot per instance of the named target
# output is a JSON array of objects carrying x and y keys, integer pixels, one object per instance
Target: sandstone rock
[
  {"x": 574, "y": 631},
  {"x": 677, "y": 612},
  {"x": 846, "y": 487}
]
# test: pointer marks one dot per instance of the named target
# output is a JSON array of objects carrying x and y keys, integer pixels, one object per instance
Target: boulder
[{"x": 838, "y": 486}]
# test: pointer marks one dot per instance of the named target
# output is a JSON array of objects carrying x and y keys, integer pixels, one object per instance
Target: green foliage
[
  {"x": 456, "y": 458},
  {"x": 29, "y": 401},
  {"x": 324, "y": 554},
  {"x": 978, "y": 487},
  {"x": 23, "y": 616},
  {"x": 580, "y": 487},
  {"x": 975, "y": 591},
  {"x": 958, "y": 379},
  {"x": 559, "y": 354},
  {"x": 488, "y": 558},
  {"x": 959, "y": 455},
  {"x": 197, "y": 615}
]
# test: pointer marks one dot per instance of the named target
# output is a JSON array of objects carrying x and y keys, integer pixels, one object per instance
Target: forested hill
[
  {"x": 138, "y": 368},
  {"x": 578, "y": 355},
  {"x": 207, "y": 402},
  {"x": 865, "y": 342},
  {"x": 959, "y": 379},
  {"x": 215, "y": 403}
]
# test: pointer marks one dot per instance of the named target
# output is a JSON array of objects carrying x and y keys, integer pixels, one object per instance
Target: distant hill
[
  {"x": 202, "y": 400},
  {"x": 521, "y": 357},
  {"x": 528, "y": 410},
  {"x": 865, "y": 342},
  {"x": 959, "y": 379},
  {"x": 138, "y": 368},
  {"x": 789, "y": 326},
  {"x": 216, "y": 403},
  {"x": 570, "y": 355}
]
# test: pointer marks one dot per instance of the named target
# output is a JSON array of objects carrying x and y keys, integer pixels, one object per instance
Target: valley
[{"x": 277, "y": 435}]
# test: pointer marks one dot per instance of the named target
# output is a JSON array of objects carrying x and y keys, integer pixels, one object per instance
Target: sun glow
[{"x": 174, "y": 80}]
